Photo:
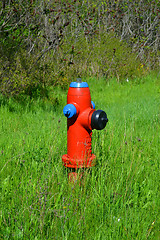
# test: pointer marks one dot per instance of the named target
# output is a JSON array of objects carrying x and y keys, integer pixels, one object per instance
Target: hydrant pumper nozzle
[{"x": 82, "y": 118}]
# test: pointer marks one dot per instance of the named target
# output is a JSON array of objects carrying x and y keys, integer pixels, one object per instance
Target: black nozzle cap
[{"x": 99, "y": 120}]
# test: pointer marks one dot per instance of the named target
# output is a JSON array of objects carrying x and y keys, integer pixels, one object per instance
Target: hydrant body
[{"x": 81, "y": 119}]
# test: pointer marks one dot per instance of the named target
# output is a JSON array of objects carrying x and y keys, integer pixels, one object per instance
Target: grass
[{"x": 120, "y": 195}]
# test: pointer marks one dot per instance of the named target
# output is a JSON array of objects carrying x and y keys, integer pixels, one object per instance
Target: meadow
[{"x": 119, "y": 197}]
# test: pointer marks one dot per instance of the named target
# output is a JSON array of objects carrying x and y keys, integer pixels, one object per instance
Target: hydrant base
[{"x": 78, "y": 163}]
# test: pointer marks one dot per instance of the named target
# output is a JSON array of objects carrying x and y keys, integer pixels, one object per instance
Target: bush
[
  {"x": 102, "y": 56},
  {"x": 52, "y": 43}
]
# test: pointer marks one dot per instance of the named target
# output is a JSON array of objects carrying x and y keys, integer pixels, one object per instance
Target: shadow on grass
[{"x": 48, "y": 102}]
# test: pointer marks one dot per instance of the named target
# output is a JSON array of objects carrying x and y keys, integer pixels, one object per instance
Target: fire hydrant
[{"x": 82, "y": 118}]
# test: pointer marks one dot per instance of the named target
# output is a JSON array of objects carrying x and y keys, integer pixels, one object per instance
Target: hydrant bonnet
[{"x": 79, "y": 85}]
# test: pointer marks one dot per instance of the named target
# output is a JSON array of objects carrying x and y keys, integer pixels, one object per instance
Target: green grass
[{"x": 120, "y": 195}]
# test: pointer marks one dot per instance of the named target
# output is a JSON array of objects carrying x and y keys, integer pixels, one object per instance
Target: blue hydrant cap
[
  {"x": 79, "y": 84},
  {"x": 69, "y": 110}
]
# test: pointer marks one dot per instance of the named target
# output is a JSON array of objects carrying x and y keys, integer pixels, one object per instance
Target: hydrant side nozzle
[
  {"x": 99, "y": 120},
  {"x": 69, "y": 110}
]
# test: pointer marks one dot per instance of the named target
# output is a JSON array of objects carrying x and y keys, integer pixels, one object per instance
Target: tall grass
[{"x": 120, "y": 195}]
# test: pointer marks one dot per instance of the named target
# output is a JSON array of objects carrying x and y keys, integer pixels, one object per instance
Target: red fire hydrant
[{"x": 82, "y": 118}]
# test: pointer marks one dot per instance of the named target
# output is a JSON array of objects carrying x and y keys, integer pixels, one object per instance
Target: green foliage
[
  {"x": 102, "y": 56},
  {"x": 115, "y": 58},
  {"x": 25, "y": 77}
]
